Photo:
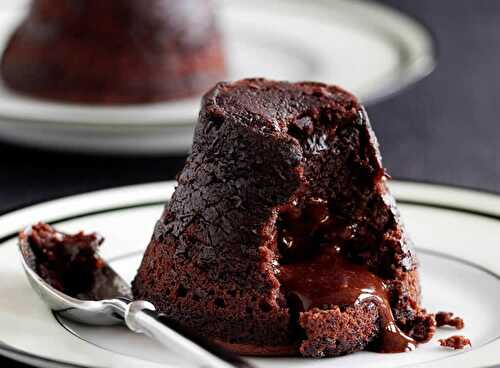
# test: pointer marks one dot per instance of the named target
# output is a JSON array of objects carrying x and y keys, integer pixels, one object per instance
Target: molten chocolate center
[
  {"x": 329, "y": 279},
  {"x": 315, "y": 274}
]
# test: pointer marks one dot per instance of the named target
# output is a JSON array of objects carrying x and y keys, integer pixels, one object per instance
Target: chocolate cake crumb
[
  {"x": 455, "y": 342},
  {"x": 423, "y": 327},
  {"x": 67, "y": 262},
  {"x": 447, "y": 319}
]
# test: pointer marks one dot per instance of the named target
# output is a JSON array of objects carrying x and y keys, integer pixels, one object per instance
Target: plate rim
[{"x": 150, "y": 193}]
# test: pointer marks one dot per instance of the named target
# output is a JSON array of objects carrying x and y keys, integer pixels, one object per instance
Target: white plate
[
  {"x": 457, "y": 232},
  {"x": 363, "y": 46}
]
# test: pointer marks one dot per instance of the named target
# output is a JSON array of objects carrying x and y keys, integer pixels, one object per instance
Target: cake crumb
[
  {"x": 455, "y": 342},
  {"x": 423, "y": 327},
  {"x": 447, "y": 319}
]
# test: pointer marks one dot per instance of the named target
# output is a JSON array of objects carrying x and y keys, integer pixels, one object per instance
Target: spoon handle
[{"x": 140, "y": 316}]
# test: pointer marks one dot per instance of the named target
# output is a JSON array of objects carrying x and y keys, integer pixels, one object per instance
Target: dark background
[{"x": 445, "y": 129}]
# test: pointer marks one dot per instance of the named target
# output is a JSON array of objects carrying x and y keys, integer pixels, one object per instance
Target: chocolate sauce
[
  {"x": 315, "y": 273},
  {"x": 328, "y": 279}
]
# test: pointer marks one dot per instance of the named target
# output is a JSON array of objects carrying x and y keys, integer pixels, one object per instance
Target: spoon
[{"x": 110, "y": 302}]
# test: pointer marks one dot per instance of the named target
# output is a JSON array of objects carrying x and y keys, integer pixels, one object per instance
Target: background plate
[
  {"x": 365, "y": 47},
  {"x": 456, "y": 230}
]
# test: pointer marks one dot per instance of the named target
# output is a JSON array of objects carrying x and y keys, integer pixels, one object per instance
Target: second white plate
[{"x": 368, "y": 48}]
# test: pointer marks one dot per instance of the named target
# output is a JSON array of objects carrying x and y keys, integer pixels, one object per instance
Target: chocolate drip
[{"x": 328, "y": 279}]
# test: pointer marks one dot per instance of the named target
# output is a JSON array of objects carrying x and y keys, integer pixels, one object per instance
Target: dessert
[
  {"x": 71, "y": 263},
  {"x": 455, "y": 342},
  {"x": 114, "y": 52},
  {"x": 282, "y": 237},
  {"x": 67, "y": 262},
  {"x": 447, "y": 319}
]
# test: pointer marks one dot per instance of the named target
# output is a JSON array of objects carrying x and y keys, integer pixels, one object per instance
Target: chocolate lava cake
[
  {"x": 114, "y": 51},
  {"x": 282, "y": 237}
]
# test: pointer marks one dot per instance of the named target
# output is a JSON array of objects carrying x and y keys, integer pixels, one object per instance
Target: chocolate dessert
[
  {"x": 456, "y": 342},
  {"x": 282, "y": 237},
  {"x": 447, "y": 319},
  {"x": 114, "y": 51},
  {"x": 69, "y": 263}
]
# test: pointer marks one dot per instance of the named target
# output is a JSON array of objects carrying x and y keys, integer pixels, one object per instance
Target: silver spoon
[{"x": 110, "y": 302}]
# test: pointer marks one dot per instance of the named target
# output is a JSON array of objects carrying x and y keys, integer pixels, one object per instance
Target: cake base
[{"x": 261, "y": 351}]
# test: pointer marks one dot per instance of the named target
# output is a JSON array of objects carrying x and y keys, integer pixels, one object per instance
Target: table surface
[{"x": 444, "y": 129}]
